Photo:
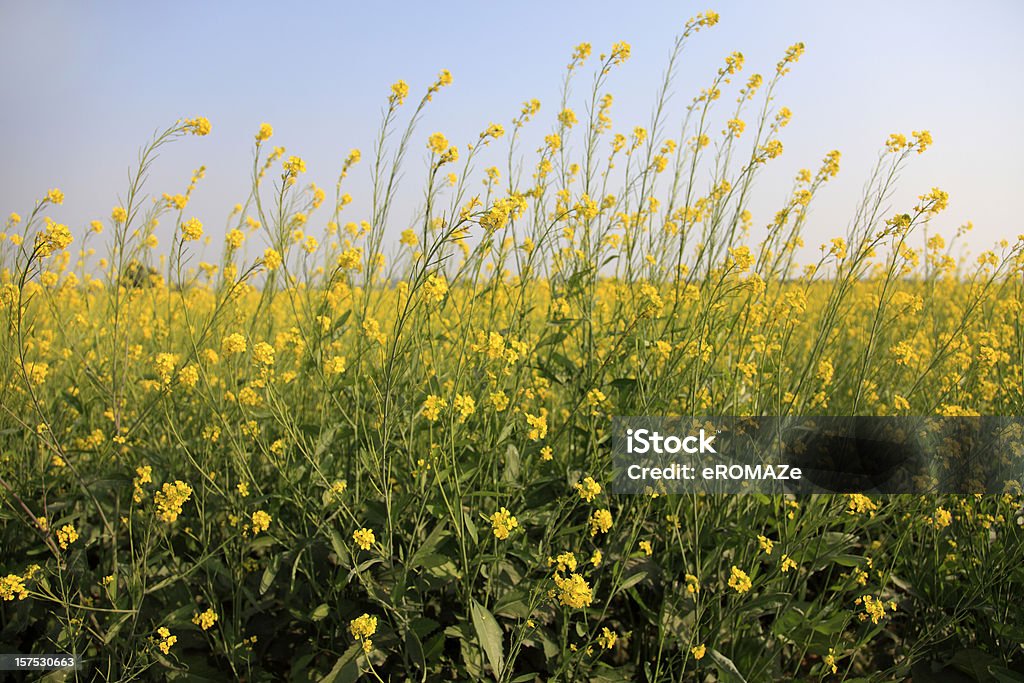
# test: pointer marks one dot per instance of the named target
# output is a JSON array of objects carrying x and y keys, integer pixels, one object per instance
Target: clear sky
[{"x": 86, "y": 84}]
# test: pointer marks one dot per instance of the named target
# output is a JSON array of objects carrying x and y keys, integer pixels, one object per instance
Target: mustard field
[{"x": 318, "y": 445}]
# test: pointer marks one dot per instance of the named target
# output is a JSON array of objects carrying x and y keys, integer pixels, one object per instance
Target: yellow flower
[
  {"x": 858, "y": 503},
  {"x": 294, "y": 165},
  {"x": 260, "y": 521},
  {"x": 191, "y": 230},
  {"x": 198, "y": 126},
  {"x": 607, "y": 638},
  {"x": 433, "y": 406},
  {"x": 206, "y": 620},
  {"x": 12, "y": 586},
  {"x": 566, "y": 562},
  {"x": 942, "y": 518},
  {"x": 55, "y": 196},
  {"x": 595, "y": 399},
  {"x": 364, "y": 538},
  {"x": 738, "y": 580},
  {"x": 620, "y": 52},
  {"x": 66, "y": 535},
  {"x": 233, "y": 343},
  {"x": 166, "y": 639},
  {"x": 264, "y": 133},
  {"x": 435, "y": 288},
  {"x": 649, "y": 302},
  {"x": 36, "y": 372},
  {"x": 698, "y": 651},
  {"x": 922, "y": 140},
  {"x": 399, "y": 91},
  {"x": 409, "y": 238},
  {"x": 335, "y": 365},
  {"x": 119, "y": 215},
  {"x": 692, "y": 584},
  {"x": 362, "y": 628},
  {"x": 464, "y": 405},
  {"x": 787, "y": 563},
  {"x": 538, "y": 426},
  {"x": 647, "y": 548},
  {"x": 766, "y": 544},
  {"x": 588, "y": 489},
  {"x": 573, "y": 591},
  {"x": 896, "y": 142},
  {"x": 234, "y": 238},
  {"x": 600, "y": 521},
  {"x": 170, "y": 498},
  {"x": 271, "y": 259},
  {"x": 263, "y": 353},
  {"x": 54, "y": 237},
  {"x": 873, "y": 608},
  {"x": 830, "y": 661},
  {"x": 437, "y": 143},
  {"x": 503, "y": 523}
]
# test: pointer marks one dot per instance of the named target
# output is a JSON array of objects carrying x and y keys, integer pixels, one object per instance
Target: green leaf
[
  {"x": 471, "y": 529},
  {"x": 846, "y": 560},
  {"x": 632, "y": 580},
  {"x": 269, "y": 574},
  {"x": 490, "y": 635},
  {"x": 345, "y": 670},
  {"x": 727, "y": 668},
  {"x": 1004, "y": 675},
  {"x": 511, "y": 463},
  {"x": 429, "y": 547},
  {"x": 338, "y": 545},
  {"x": 974, "y": 663},
  {"x": 321, "y": 611}
]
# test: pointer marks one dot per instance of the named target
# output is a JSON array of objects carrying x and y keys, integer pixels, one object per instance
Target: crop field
[{"x": 299, "y": 448}]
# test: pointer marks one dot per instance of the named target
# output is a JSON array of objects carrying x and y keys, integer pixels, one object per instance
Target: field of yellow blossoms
[{"x": 304, "y": 451}]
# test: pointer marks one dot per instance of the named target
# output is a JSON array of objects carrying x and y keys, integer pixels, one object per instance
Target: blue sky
[{"x": 86, "y": 84}]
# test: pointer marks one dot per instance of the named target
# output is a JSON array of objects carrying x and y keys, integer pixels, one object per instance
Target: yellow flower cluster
[
  {"x": 502, "y": 523},
  {"x": 198, "y": 126},
  {"x": 588, "y": 489},
  {"x": 260, "y": 521},
  {"x": 573, "y": 591},
  {"x": 12, "y": 586},
  {"x": 233, "y": 344},
  {"x": 66, "y": 535},
  {"x": 364, "y": 538},
  {"x": 600, "y": 522},
  {"x": 859, "y": 504},
  {"x": 191, "y": 230},
  {"x": 170, "y": 498},
  {"x": 362, "y": 628},
  {"x": 739, "y": 580},
  {"x": 54, "y": 237},
  {"x": 435, "y": 288},
  {"x": 294, "y": 165},
  {"x": 166, "y": 639},
  {"x": 874, "y": 608},
  {"x": 205, "y": 620}
]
